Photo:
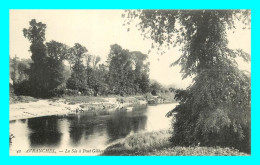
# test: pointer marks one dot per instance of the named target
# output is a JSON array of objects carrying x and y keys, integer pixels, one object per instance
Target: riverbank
[
  {"x": 157, "y": 144},
  {"x": 23, "y": 107}
]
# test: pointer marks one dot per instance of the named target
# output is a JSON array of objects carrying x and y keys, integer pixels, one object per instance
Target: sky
[{"x": 98, "y": 29}]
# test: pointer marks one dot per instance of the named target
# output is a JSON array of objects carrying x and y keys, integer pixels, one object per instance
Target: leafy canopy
[{"x": 215, "y": 108}]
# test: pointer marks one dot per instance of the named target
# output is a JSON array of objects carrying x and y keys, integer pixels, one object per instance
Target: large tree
[
  {"x": 46, "y": 69},
  {"x": 57, "y": 53},
  {"x": 215, "y": 109},
  {"x": 120, "y": 70},
  {"x": 39, "y": 73},
  {"x": 128, "y": 71},
  {"x": 141, "y": 71},
  {"x": 78, "y": 79},
  {"x": 96, "y": 75}
]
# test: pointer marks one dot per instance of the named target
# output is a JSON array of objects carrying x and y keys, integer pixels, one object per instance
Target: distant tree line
[{"x": 46, "y": 75}]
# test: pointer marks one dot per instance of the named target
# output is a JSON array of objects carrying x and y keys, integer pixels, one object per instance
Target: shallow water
[{"x": 86, "y": 133}]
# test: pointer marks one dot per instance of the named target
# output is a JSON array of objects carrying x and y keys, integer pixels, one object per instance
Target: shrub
[{"x": 22, "y": 88}]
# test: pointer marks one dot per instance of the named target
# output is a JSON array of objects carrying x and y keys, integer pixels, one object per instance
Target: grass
[
  {"x": 146, "y": 141},
  {"x": 83, "y": 99},
  {"x": 21, "y": 99},
  {"x": 97, "y": 99},
  {"x": 69, "y": 99},
  {"x": 132, "y": 99},
  {"x": 157, "y": 144}
]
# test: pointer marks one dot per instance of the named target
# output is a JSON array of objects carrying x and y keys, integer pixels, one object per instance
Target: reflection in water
[
  {"x": 44, "y": 131},
  {"x": 121, "y": 124},
  {"x": 80, "y": 125},
  {"x": 76, "y": 129},
  {"x": 87, "y": 130},
  {"x": 139, "y": 123}
]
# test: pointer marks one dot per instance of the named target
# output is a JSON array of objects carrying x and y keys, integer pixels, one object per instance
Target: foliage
[
  {"x": 19, "y": 70},
  {"x": 141, "y": 71},
  {"x": 78, "y": 79},
  {"x": 23, "y": 88},
  {"x": 215, "y": 109},
  {"x": 96, "y": 75},
  {"x": 46, "y": 69},
  {"x": 155, "y": 88},
  {"x": 144, "y": 83},
  {"x": 120, "y": 70},
  {"x": 13, "y": 69},
  {"x": 128, "y": 74},
  {"x": 57, "y": 53}
]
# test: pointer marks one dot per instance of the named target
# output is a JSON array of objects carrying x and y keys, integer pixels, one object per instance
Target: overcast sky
[{"x": 97, "y": 30}]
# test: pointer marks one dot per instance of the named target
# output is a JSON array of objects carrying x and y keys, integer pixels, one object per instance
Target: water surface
[{"x": 86, "y": 131}]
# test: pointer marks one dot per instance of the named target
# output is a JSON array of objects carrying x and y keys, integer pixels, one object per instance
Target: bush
[
  {"x": 22, "y": 88},
  {"x": 103, "y": 89},
  {"x": 61, "y": 91},
  {"x": 87, "y": 91}
]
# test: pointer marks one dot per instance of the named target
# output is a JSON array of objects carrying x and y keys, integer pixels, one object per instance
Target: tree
[
  {"x": 144, "y": 84},
  {"x": 14, "y": 69},
  {"x": 57, "y": 53},
  {"x": 128, "y": 71},
  {"x": 95, "y": 61},
  {"x": 78, "y": 79},
  {"x": 121, "y": 71},
  {"x": 19, "y": 69},
  {"x": 101, "y": 76},
  {"x": 23, "y": 69},
  {"x": 141, "y": 71},
  {"x": 155, "y": 88},
  {"x": 215, "y": 109},
  {"x": 39, "y": 73},
  {"x": 19, "y": 75},
  {"x": 118, "y": 59},
  {"x": 95, "y": 75},
  {"x": 46, "y": 69}
]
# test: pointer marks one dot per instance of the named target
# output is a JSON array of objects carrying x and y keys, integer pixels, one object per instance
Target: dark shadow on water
[
  {"x": 122, "y": 123},
  {"x": 76, "y": 129},
  {"x": 44, "y": 131},
  {"x": 81, "y": 125}
]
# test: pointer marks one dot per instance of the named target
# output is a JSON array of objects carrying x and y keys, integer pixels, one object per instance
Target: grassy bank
[
  {"x": 157, "y": 144},
  {"x": 21, "y": 99},
  {"x": 130, "y": 99},
  {"x": 83, "y": 99}
]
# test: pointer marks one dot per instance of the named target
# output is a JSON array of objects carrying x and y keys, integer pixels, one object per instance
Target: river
[{"x": 88, "y": 132}]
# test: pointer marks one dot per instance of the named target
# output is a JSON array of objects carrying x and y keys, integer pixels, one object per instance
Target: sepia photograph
[{"x": 130, "y": 82}]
